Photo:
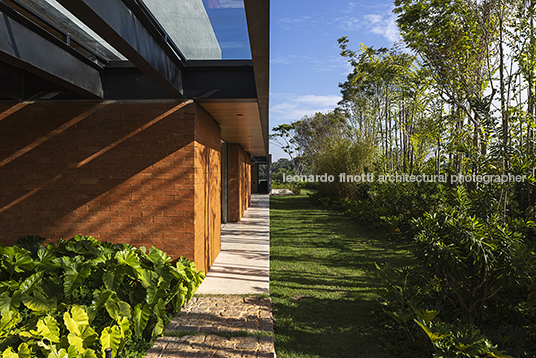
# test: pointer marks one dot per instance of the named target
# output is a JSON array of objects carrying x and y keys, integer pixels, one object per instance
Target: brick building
[{"x": 132, "y": 121}]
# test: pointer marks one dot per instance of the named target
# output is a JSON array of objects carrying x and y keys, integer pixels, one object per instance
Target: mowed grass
[{"x": 323, "y": 280}]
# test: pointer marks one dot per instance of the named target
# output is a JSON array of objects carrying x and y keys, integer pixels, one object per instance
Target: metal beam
[
  {"x": 23, "y": 48},
  {"x": 118, "y": 26},
  {"x": 221, "y": 79},
  {"x": 20, "y": 85},
  {"x": 131, "y": 83}
]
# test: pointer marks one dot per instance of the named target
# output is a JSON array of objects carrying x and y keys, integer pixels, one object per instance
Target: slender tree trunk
[
  {"x": 390, "y": 138},
  {"x": 412, "y": 156},
  {"x": 530, "y": 89},
  {"x": 531, "y": 100},
  {"x": 504, "y": 111},
  {"x": 397, "y": 148},
  {"x": 438, "y": 162},
  {"x": 459, "y": 125}
]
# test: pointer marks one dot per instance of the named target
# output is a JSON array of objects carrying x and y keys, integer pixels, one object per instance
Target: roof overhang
[
  {"x": 240, "y": 122},
  {"x": 234, "y": 92},
  {"x": 120, "y": 27},
  {"x": 258, "y": 20},
  {"x": 22, "y": 45},
  {"x": 228, "y": 91}
]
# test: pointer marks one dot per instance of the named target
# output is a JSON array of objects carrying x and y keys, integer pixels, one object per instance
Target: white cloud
[
  {"x": 280, "y": 59},
  {"x": 284, "y": 60},
  {"x": 289, "y": 23},
  {"x": 294, "y": 107},
  {"x": 334, "y": 63},
  {"x": 348, "y": 23},
  {"x": 383, "y": 24},
  {"x": 351, "y": 7},
  {"x": 373, "y": 18}
]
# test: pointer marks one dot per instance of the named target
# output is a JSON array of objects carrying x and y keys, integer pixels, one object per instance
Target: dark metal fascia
[
  {"x": 117, "y": 24},
  {"x": 219, "y": 79},
  {"x": 218, "y": 63},
  {"x": 24, "y": 48},
  {"x": 20, "y": 18}
]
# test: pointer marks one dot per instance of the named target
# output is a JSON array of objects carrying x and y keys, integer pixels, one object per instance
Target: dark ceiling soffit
[
  {"x": 219, "y": 63},
  {"x": 23, "y": 48},
  {"x": 130, "y": 83},
  {"x": 219, "y": 80},
  {"x": 118, "y": 26},
  {"x": 261, "y": 160},
  {"x": 258, "y": 20},
  {"x": 17, "y": 84}
]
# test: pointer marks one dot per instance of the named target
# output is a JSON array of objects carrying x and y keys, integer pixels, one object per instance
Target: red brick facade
[
  {"x": 143, "y": 173},
  {"x": 239, "y": 181}
]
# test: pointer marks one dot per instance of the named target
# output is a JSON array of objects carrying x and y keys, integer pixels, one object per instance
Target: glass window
[
  {"x": 204, "y": 29},
  {"x": 228, "y": 19}
]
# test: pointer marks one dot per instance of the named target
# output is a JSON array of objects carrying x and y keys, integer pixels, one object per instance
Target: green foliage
[
  {"x": 406, "y": 291},
  {"x": 80, "y": 296},
  {"x": 462, "y": 103},
  {"x": 283, "y": 137},
  {"x": 285, "y": 167},
  {"x": 472, "y": 258},
  {"x": 458, "y": 342},
  {"x": 392, "y": 205},
  {"x": 342, "y": 155}
]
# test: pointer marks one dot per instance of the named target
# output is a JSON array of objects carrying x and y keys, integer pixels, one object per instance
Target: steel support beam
[
  {"x": 118, "y": 26},
  {"x": 23, "y": 48},
  {"x": 219, "y": 79}
]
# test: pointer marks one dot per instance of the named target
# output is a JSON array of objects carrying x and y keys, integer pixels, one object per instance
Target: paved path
[
  {"x": 212, "y": 346},
  {"x": 243, "y": 264},
  {"x": 242, "y": 267},
  {"x": 209, "y": 318},
  {"x": 225, "y": 314}
]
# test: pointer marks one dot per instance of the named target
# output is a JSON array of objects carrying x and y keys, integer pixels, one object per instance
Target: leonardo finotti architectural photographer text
[{"x": 405, "y": 178}]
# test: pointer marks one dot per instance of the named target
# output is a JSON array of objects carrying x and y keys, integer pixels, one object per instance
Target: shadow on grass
[{"x": 323, "y": 280}]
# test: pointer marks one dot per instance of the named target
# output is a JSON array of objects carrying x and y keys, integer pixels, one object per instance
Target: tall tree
[{"x": 455, "y": 39}]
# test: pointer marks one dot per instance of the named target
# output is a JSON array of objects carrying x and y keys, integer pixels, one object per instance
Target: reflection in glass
[{"x": 228, "y": 19}]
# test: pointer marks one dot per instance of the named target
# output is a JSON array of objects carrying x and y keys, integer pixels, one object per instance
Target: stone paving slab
[
  {"x": 243, "y": 265},
  {"x": 212, "y": 346},
  {"x": 214, "y": 315}
]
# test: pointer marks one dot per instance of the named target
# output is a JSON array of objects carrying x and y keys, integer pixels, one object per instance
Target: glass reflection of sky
[{"x": 228, "y": 19}]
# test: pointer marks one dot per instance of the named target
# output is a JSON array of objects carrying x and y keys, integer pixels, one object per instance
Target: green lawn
[{"x": 323, "y": 282}]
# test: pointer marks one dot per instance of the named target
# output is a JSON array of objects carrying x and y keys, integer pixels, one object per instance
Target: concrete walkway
[{"x": 243, "y": 265}]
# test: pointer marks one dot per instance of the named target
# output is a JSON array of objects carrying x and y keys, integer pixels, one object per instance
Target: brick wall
[
  {"x": 239, "y": 181},
  {"x": 208, "y": 194},
  {"x": 144, "y": 173}
]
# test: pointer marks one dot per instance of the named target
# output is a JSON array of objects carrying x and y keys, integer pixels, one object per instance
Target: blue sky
[{"x": 306, "y": 67}]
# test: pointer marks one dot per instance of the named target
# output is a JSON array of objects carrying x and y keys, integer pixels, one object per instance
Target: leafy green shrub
[
  {"x": 463, "y": 341},
  {"x": 392, "y": 205},
  {"x": 472, "y": 259},
  {"x": 81, "y": 296},
  {"x": 350, "y": 156},
  {"x": 404, "y": 296}
]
